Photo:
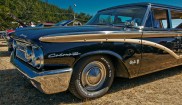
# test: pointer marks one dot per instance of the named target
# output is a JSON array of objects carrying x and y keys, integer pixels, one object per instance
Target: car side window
[
  {"x": 125, "y": 18},
  {"x": 157, "y": 18},
  {"x": 176, "y": 18},
  {"x": 149, "y": 22},
  {"x": 160, "y": 18},
  {"x": 106, "y": 19}
]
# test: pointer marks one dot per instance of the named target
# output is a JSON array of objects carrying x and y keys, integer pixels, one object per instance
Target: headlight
[
  {"x": 37, "y": 57},
  {"x": 28, "y": 53},
  {"x": 32, "y": 54},
  {"x": 14, "y": 44}
]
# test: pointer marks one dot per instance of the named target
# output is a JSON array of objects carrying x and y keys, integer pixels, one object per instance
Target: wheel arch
[{"x": 120, "y": 68}]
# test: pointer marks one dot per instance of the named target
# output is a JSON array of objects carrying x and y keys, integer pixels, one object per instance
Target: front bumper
[{"x": 48, "y": 82}]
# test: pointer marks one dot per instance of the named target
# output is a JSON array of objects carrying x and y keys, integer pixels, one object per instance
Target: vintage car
[
  {"x": 44, "y": 25},
  {"x": 124, "y": 41},
  {"x": 72, "y": 22},
  {"x": 9, "y": 40},
  {"x": 2, "y": 34}
]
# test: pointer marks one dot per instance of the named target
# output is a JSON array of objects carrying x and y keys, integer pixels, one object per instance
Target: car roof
[{"x": 144, "y": 4}]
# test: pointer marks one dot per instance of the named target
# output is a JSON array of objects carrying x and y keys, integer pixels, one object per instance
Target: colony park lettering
[{"x": 54, "y": 55}]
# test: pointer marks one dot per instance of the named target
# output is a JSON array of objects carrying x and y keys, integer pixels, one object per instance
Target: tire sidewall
[{"x": 107, "y": 83}]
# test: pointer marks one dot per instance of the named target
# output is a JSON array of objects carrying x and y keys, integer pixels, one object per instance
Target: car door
[
  {"x": 159, "y": 43},
  {"x": 176, "y": 25}
]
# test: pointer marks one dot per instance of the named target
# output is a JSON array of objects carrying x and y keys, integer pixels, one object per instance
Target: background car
[
  {"x": 73, "y": 22},
  {"x": 2, "y": 34}
]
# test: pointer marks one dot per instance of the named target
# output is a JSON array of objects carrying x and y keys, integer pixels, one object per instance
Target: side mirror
[
  {"x": 134, "y": 23},
  {"x": 139, "y": 27},
  {"x": 131, "y": 24}
]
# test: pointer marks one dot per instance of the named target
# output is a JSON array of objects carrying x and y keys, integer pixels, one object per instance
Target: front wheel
[{"x": 92, "y": 77}]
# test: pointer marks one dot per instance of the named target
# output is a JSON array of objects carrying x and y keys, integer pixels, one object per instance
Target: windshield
[
  {"x": 62, "y": 23},
  {"x": 119, "y": 16}
]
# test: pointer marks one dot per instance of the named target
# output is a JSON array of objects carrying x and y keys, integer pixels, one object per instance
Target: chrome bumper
[{"x": 48, "y": 82}]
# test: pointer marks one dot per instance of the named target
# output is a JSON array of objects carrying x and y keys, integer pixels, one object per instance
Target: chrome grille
[
  {"x": 29, "y": 53},
  {"x": 20, "y": 50}
]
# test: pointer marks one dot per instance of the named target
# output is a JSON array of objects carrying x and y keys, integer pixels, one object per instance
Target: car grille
[
  {"x": 29, "y": 53},
  {"x": 21, "y": 50}
]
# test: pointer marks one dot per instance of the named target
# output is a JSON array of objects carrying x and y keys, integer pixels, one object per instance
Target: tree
[
  {"x": 34, "y": 10},
  {"x": 70, "y": 9}
]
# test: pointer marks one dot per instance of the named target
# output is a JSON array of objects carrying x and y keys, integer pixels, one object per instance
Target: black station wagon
[{"x": 123, "y": 41}]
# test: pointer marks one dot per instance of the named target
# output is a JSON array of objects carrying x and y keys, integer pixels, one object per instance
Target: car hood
[{"x": 34, "y": 34}]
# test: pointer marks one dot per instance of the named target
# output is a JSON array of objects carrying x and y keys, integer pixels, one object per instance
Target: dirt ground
[{"x": 161, "y": 88}]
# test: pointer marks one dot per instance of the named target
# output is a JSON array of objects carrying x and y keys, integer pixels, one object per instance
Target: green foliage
[{"x": 36, "y": 11}]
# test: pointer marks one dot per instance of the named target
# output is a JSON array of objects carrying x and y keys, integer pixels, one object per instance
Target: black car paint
[
  {"x": 117, "y": 50},
  {"x": 35, "y": 33}
]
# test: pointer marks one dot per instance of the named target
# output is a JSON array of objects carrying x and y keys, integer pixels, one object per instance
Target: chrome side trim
[
  {"x": 48, "y": 82},
  {"x": 115, "y": 37},
  {"x": 149, "y": 43},
  {"x": 138, "y": 41},
  {"x": 107, "y": 35},
  {"x": 146, "y": 14},
  {"x": 75, "y": 38}
]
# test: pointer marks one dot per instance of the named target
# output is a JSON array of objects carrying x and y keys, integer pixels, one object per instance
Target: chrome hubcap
[{"x": 93, "y": 76}]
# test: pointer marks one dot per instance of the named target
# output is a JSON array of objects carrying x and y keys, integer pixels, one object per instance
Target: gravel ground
[{"x": 161, "y": 88}]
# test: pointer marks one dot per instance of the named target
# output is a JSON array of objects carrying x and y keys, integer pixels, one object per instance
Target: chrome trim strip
[
  {"x": 138, "y": 41},
  {"x": 116, "y": 37},
  {"x": 108, "y": 35},
  {"x": 23, "y": 41},
  {"x": 146, "y": 14},
  {"x": 51, "y": 72},
  {"x": 21, "y": 50},
  {"x": 149, "y": 43},
  {"x": 73, "y": 38}
]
